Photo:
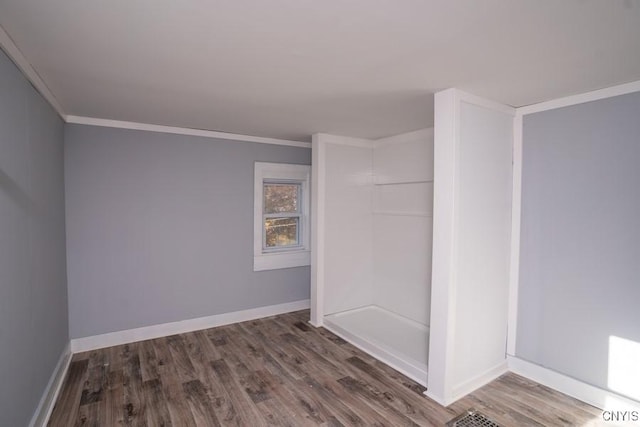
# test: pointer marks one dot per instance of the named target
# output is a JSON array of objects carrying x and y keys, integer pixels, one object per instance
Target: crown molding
[
  {"x": 581, "y": 98},
  {"x": 182, "y": 131},
  {"x": 9, "y": 47},
  {"x": 328, "y": 138}
]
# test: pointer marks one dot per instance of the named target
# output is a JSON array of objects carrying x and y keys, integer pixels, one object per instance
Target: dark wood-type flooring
[{"x": 278, "y": 371}]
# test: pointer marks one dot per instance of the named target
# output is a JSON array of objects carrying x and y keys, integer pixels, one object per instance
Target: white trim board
[
  {"x": 9, "y": 47},
  {"x": 442, "y": 322},
  {"x": 182, "y": 131},
  {"x": 318, "y": 195},
  {"x": 594, "y": 95},
  {"x": 516, "y": 216},
  {"x": 51, "y": 391},
  {"x": 590, "y": 394},
  {"x": 462, "y": 390},
  {"x": 327, "y": 138},
  {"x": 94, "y": 342},
  {"x": 483, "y": 102}
]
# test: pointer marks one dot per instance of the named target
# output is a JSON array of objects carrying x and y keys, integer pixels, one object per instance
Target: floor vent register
[{"x": 472, "y": 418}]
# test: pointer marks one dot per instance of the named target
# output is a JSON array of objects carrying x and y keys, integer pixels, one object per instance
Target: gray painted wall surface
[
  {"x": 33, "y": 288},
  {"x": 160, "y": 229},
  {"x": 580, "y": 243}
]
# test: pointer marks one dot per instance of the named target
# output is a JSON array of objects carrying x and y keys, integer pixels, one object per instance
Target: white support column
[
  {"x": 318, "y": 153},
  {"x": 471, "y": 245},
  {"x": 442, "y": 276}
]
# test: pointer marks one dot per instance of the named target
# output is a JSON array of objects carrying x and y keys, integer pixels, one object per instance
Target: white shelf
[
  {"x": 400, "y": 213},
  {"x": 424, "y": 181}
]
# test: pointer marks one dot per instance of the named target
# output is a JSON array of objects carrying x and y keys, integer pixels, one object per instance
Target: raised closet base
[{"x": 395, "y": 340}]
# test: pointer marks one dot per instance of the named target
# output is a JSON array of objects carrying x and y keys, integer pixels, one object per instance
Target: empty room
[{"x": 320, "y": 213}]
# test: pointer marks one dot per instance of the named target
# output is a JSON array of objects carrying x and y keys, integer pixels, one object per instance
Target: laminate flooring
[{"x": 278, "y": 371}]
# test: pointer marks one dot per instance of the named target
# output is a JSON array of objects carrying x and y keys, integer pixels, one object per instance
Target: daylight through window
[{"x": 281, "y": 216}]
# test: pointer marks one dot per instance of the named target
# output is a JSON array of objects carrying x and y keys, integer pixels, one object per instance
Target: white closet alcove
[
  {"x": 374, "y": 217},
  {"x": 411, "y": 244}
]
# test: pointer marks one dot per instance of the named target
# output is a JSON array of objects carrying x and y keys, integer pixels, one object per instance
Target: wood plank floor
[{"x": 278, "y": 371}]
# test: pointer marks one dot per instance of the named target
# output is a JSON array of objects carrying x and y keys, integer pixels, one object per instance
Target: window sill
[{"x": 277, "y": 260}]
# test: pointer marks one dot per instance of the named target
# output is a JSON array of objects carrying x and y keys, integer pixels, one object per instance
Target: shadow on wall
[{"x": 15, "y": 193}]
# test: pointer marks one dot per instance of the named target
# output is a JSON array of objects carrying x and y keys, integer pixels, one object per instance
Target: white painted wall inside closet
[{"x": 372, "y": 211}]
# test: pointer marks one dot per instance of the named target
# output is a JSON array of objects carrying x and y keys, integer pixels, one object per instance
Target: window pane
[
  {"x": 281, "y": 232},
  {"x": 280, "y": 198}
]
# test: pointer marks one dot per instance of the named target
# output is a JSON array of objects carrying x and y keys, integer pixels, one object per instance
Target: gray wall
[
  {"x": 33, "y": 288},
  {"x": 160, "y": 229},
  {"x": 580, "y": 243}
]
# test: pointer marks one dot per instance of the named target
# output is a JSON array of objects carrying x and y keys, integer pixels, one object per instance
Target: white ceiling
[{"x": 290, "y": 68}]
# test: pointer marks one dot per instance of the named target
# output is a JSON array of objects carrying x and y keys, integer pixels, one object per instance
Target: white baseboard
[
  {"x": 156, "y": 331},
  {"x": 437, "y": 399},
  {"x": 460, "y": 391},
  {"x": 51, "y": 391},
  {"x": 588, "y": 393}
]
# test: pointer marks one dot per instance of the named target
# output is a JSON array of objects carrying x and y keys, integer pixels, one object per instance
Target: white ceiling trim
[
  {"x": 470, "y": 98},
  {"x": 183, "y": 131},
  {"x": 581, "y": 98},
  {"x": 345, "y": 140},
  {"x": 10, "y": 48}
]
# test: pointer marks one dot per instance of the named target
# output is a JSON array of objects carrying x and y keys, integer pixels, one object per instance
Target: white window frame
[{"x": 283, "y": 257}]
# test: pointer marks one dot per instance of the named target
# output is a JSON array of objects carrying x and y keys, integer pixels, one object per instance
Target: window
[{"x": 281, "y": 216}]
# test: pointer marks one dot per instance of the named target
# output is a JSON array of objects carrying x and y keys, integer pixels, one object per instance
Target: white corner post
[
  {"x": 441, "y": 323},
  {"x": 318, "y": 161},
  {"x": 473, "y": 149},
  {"x": 516, "y": 211}
]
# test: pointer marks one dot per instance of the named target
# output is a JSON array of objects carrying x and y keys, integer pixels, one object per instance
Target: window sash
[
  {"x": 290, "y": 214},
  {"x": 295, "y": 246},
  {"x": 298, "y": 185},
  {"x": 281, "y": 215}
]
